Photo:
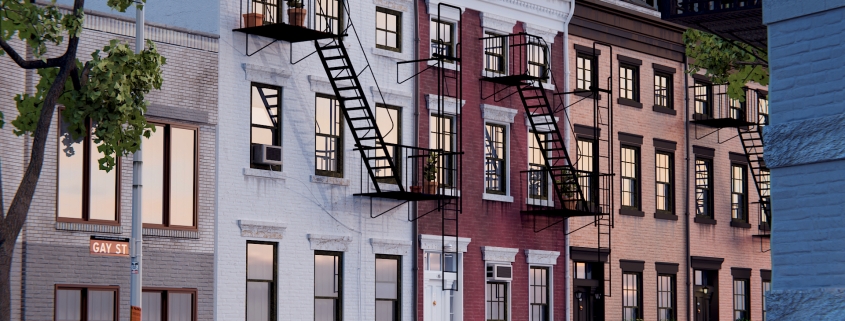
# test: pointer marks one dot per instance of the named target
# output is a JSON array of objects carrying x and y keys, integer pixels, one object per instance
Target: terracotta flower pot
[
  {"x": 431, "y": 187},
  {"x": 253, "y": 19},
  {"x": 416, "y": 189},
  {"x": 296, "y": 16}
]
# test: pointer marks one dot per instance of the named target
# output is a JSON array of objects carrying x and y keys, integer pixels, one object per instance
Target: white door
[{"x": 439, "y": 304}]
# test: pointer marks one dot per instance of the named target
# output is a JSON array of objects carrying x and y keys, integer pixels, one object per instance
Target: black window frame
[
  {"x": 339, "y": 151},
  {"x": 447, "y": 163},
  {"x": 702, "y": 98},
  {"x": 580, "y": 72},
  {"x": 639, "y": 294},
  {"x": 670, "y": 183},
  {"x": 397, "y": 303},
  {"x": 706, "y": 200},
  {"x": 766, "y": 287},
  {"x": 395, "y": 149},
  {"x": 636, "y": 195},
  {"x": 84, "y": 289},
  {"x": 584, "y": 163},
  {"x": 745, "y": 297},
  {"x": 273, "y": 284},
  {"x": 736, "y": 109},
  {"x": 501, "y": 161},
  {"x": 338, "y": 283},
  {"x": 436, "y": 41},
  {"x": 543, "y": 68},
  {"x": 739, "y": 208},
  {"x": 87, "y": 161},
  {"x": 635, "y": 82},
  {"x": 669, "y": 90},
  {"x": 672, "y": 299},
  {"x": 762, "y": 111},
  {"x": 165, "y": 296},
  {"x": 167, "y": 171},
  {"x": 491, "y": 38},
  {"x": 543, "y": 308},
  {"x": 397, "y": 32},
  {"x": 500, "y": 299},
  {"x": 539, "y": 177},
  {"x": 277, "y": 128},
  {"x": 321, "y": 17}
]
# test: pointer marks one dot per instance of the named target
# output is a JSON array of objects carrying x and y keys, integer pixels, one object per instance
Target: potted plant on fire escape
[
  {"x": 296, "y": 13},
  {"x": 570, "y": 190},
  {"x": 430, "y": 173}
]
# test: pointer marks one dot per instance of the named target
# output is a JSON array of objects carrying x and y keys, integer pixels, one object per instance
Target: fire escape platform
[
  {"x": 566, "y": 211},
  {"x": 512, "y": 80},
  {"x": 407, "y": 196},
  {"x": 286, "y": 32},
  {"x": 720, "y": 122}
]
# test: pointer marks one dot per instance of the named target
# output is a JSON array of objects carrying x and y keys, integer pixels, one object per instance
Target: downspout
[
  {"x": 687, "y": 190},
  {"x": 567, "y": 143},
  {"x": 416, "y": 104}
]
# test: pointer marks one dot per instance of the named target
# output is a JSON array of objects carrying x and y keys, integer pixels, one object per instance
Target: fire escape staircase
[{"x": 752, "y": 142}]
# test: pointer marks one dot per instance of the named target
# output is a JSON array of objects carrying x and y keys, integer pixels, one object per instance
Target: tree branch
[
  {"x": 30, "y": 64},
  {"x": 2, "y": 202},
  {"x": 752, "y": 63}
]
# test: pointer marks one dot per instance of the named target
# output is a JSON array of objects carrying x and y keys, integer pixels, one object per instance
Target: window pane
[
  {"x": 68, "y": 305},
  {"x": 325, "y": 281},
  {"x": 262, "y": 136},
  {"x": 260, "y": 115},
  {"x": 151, "y": 305},
  {"x": 258, "y": 301},
  {"x": 182, "y": 162},
  {"x": 385, "y": 311},
  {"x": 180, "y": 306},
  {"x": 433, "y": 261},
  {"x": 70, "y": 176},
  {"x": 103, "y": 189},
  {"x": 324, "y": 310},
  {"x": 153, "y": 177},
  {"x": 387, "y": 278},
  {"x": 100, "y": 305},
  {"x": 260, "y": 261}
]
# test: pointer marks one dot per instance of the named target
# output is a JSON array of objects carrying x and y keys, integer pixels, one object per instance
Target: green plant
[
  {"x": 295, "y": 4},
  {"x": 570, "y": 185},
  {"x": 430, "y": 170},
  {"x": 726, "y": 62}
]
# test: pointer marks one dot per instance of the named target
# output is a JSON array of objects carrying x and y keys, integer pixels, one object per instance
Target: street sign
[{"x": 109, "y": 246}]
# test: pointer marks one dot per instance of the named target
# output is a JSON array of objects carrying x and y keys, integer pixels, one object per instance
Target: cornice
[
  {"x": 434, "y": 242},
  {"x": 499, "y": 23},
  {"x": 266, "y": 75},
  {"x": 541, "y": 257},
  {"x": 498, "y": 114},
  {"x": 547, "y": 34},
  {"x": 392, "y": 97},
  {"x": 260, "y": 229},
  {"x": 499, "y": 254},
  {"x": 320, "y": 242},
  {"x": 393, "y": 247},
  {"x": 450, "y": 105},
  {"x": 532, "y": 7}
]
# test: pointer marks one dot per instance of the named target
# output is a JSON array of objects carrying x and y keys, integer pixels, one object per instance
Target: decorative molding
[
  {"x": 320, "y": 85},
  {"x": 498, "y": 114},
  {"x": 266, "y": 75},
  {"x": 450, "y": 105},
  {"x": 498, "y": 254},
  {"x": 497, "y": 197},
  {"x": 263, "y": 173},
  {"x": 434, "y": 242},
  {"x": 498, "y": 23},
  {"x": 547, "y": 34},
  {"x": 446, "y": 13},
  {"x": 539, "y": 119},
  {"x": 531, "y": 7},
  {"x": 85, "y": 227},
  {"x": 392, "y": 97},
  {"x": 631, "y": 6},
  {"x": 329, "y": 180},
  {"x": 321, "y": 242},
  {"x": 541, "y": 257},
  {"x": 398, "y": 5},
  {"x": 260, "y": 229},
  {"x": 394, "y": 247},
  {"x": 186, "y": 234}
]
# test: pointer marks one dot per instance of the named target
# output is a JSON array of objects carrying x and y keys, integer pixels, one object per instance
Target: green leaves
[
  {"x": 726, "y": 62},
  {"x": 121, "y": 5},
  {"x": 36, "y": 25}
]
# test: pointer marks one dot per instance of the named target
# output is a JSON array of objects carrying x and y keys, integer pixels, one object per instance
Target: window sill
[
  {"x": 169, "y": 232},
  {"x": 664, "y": 110},
  {"x": 445, "y": 65},
  {"x": 497, "y": 197},
  {"x": 89, "y": 227},
  {"x": 263, "y": 173},
  {"x": 329, "y": 180},
  {"x": 740, "y": 224},
  {"x": 704, "y": 220},
  {"x": 492, "y": 74},
  {"x": 665, "y": 216},
  {"x": 539, "y": 202},
  {"x": 630, "y": 212},
  {"x": 629, "y": 102},
  {"x": 397, "y": 55},
  {"x": 586, "y": 94}
]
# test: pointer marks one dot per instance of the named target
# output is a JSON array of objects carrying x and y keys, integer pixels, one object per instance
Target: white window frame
[
  {"x": 543, "y": 259},
  {"x": 501, "y": 116},
  {"x": 498, "y": 255},
  {"x": 432, "y": 244},
  {"x": 501, "y": 26}
]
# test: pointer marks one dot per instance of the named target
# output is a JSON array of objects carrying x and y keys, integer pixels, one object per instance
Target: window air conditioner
[
  {"x": 499, "y": 272},
  {"x": 266, "y": 154}
]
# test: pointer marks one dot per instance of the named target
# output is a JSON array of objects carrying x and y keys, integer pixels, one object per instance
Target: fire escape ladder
[
  {"x": 564, "y": 178},
  {"x": 752, "y": 142},
  {"x": 359, "y": 116}
]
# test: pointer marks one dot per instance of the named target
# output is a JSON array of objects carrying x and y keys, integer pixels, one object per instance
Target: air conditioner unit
[
  {"x": 499, "y": 272},
  {"x": 266, "y": 154}
]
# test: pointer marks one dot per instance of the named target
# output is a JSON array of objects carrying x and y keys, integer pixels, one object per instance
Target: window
[
  {"x": 663, "y": 90},
  {"x": 329, "y": 16},
  {"x": 664, "y": 178},
  {"x": 436, "y": 261},
  {"x": 494, "y": 52},
  {"x": 666, "y": 297},
  {"x": 629, "y": 79},
  {"x": 495, "y": 172},
  {"x": 497, "y": 301},
  {"x": 86, "y": 303},
  {"x": 260, "y": 281},
  {"x": 767, "y": 286},
  {"x": 269, "y": 8},
  {"x": 538, "y": 61},
  {"x": 442, "y": 137},
  {"x": 585, "y": 164},
  {"x": 85, "y": 191},
  {"x": 442, "y": 42},
  {"x": 703, "y": 187},
  {"x": 170, "y": 177},
  {"x": 169, "y": 305},
  {"x": 741, "y": 300},
  {"x": 539, "y": 180},
  {"x": 583, "y": 72},
  {"x": 631, "y": 307},
  {"x": 387, "y": 288},
  {"x": 329, "y": 131},
  {"x": 765, "y": 190},
  {"x": 702, "y": 95},
  {"x": 328, "y": 286},
  {"x": 583, "y": 271},
  {"x": 763, "y": 111},
  {"x": 538, "y": 295},
  {"x": 389, "y": 122},
  {"x": 630, "y": 177},
  {"x": 388, "y": 29},
  {"x": 737, "y": 109},
  {"x": 738, "y": 192},
  {"x": 266, "y": 123}
]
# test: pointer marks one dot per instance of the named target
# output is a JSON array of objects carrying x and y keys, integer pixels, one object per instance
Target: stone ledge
[
  {"x": 86, "y": 227},
  {"x": 186, "y": 234},
  {"x": 541, "y": 257},
  {"x": 322, "y": 242},
  {"x": 498, "y": 114},
  {"x": 329, "y": 180},
  {"x": 259, "y": 229},
  {"x": 264, "y": 74},
  {"x": 254, "y": 172},
  {"x": 395, "y": 55},
  {"x": 387, "y": 246},
  {"x": 499, "y": 254},
  {"x": 497, "y": 198}
]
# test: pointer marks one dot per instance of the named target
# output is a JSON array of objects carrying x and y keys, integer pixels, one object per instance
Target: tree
[
  {"x": 107, "y": 91},
  {"x": 726, "y": 61}
]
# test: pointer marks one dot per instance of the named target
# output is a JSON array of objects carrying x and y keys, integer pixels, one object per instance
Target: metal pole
[{"x": 137, "y": 239}]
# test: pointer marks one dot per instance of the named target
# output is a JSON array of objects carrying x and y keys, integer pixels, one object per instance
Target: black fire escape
[
  {"x": 519, "y": 64},
  {"x": 736, "y": 20}
]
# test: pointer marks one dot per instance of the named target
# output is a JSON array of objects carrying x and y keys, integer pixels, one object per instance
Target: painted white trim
[
  {"x": 261, "y": 173},
  {"x": 497, "y": 197},
  {"x": 504, "y": 117},
  {"x": 433, "y": 243},
  {"x": 318, "y": 179},
  {"x": 498, "y": 114},
  {"x": 320, "y": 85},
  {"x": 496, "y": 23},
  {"x": 389, "y": 54},
  {"x": 391, "y": 97},
  {"x": 547, "y": 34},
  {"x": 266, "y": 75},
  {"x": 320, "y": 242},
  {"x": 541, "y": 257},
  {"x": 450, "y": 105},
  {"x": 498, "y": 254},
  {"x": 261, "y": 229},
  {"x": 538, "y": 202},
  {"x": 388, "y": 246},
  {"x": 551, "y": 288}
]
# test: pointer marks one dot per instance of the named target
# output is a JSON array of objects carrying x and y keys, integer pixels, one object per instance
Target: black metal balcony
[
  {"x": 305, "y": 20},
  {"x": 540, "y": 199},
  {"x": 425, "y": 174},
  {"x": 515, "y": 59},
  {"x": 740, "y": 20},
  {"x": 713, "y": 107}
]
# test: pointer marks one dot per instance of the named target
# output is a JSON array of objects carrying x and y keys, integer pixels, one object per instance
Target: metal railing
[
  {"x": 319, "y": 15},
  {"x": 713, "y": 102},
  {"x": 540, "y": 196},
  {"x": 519, "y": 54},
  {"x": 421, "y": 170},
  {"x": 677, "y": 8}
]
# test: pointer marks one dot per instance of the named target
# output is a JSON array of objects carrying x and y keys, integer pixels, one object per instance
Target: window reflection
[{"x": 152, "y": 192}]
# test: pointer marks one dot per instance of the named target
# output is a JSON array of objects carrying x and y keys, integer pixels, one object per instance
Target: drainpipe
[
  {"x": 567, "y": 143},
  {"x": 687, "y": 190},
  {"x": 416, "y": 104}
]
